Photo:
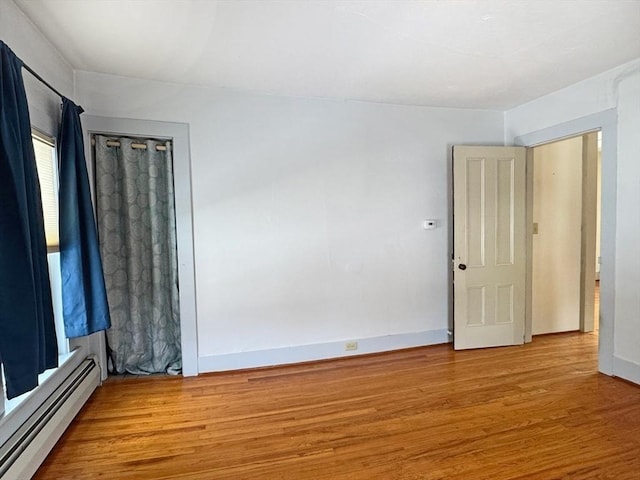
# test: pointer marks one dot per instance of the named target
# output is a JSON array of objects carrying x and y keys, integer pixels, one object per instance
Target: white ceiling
[{"x": 477, "y": 54}]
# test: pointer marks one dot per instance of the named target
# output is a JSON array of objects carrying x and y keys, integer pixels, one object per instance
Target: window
[
  {"x": 48, "y": 174},
  {"x": 46, "y": 163}
]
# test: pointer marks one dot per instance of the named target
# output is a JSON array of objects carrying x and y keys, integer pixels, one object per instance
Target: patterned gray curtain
[{"x": 136, "y": 224}]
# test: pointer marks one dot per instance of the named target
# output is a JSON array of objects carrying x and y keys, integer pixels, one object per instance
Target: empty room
[{"x": 320, "y": 239}]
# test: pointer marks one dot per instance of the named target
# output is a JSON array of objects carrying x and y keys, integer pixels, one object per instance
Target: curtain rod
[
  {"x": 38, "y": 77},
  {"x": 134, "y": 145}
]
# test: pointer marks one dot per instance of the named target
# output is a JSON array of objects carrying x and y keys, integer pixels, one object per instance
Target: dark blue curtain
[
  {"x": 84, "y": 298},
  {"x": 27, "y": 334}
]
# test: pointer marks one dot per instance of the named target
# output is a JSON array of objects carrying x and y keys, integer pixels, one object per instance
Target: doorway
[
  {"x": 184, "y": 226},
  {"x": 605, "y": 121},
  {"x": 491, "y": 243},
  {"x": 565, "y": 234}
]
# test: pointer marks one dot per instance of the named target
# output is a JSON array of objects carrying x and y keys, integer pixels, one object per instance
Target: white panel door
[{"x": 488, "y": 246}]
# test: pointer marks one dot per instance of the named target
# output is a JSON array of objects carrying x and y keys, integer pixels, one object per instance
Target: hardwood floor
[{"x": 539, "y": 411}]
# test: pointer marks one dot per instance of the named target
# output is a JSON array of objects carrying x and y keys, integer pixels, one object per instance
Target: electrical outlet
[{"x": 350, "y": 346}]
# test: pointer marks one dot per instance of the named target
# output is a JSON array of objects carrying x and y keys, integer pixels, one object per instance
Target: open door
[{"x": 489, "y": 246}]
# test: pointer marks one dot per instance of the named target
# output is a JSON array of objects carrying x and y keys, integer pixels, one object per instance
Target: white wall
[
  {"x": 44, "y": 106},
  {"x": 308, "y": 216},
  {"x": 595, "y": 94},
  {"x": 35, "y": 50},
  {"x": 327, "y": 198},
  {"x": 620, "y": 89},
  {"x": 28, "y": 43},
  {"x": 627, "y": 295},
  {"x": 557, "y": 200}
]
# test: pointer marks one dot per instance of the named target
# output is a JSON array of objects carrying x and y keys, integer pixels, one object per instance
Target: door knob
[{"x": 462, "y": 266}]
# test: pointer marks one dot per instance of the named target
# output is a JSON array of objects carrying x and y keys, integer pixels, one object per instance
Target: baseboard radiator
[{"x": 26, "y": 449}]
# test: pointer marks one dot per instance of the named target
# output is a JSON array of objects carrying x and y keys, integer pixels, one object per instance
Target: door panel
[{"x": 489, "y": 246}]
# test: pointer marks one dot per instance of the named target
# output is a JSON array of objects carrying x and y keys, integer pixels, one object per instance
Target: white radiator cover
[{"x": 26, "y": 449}]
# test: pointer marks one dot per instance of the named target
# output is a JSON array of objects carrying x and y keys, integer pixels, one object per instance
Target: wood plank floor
[{"x": 539, "y": 411}]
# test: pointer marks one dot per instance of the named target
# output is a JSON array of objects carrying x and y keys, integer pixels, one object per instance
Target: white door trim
[
  {"x": 607, "y": 122},
  {"x": 179, "y": 132}
]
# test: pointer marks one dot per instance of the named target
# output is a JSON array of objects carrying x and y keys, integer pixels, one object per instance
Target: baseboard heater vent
[{"x": 24, "y": 451}]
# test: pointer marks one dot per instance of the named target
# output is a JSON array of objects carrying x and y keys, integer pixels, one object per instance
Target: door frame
[
  {"x": 606, "y": 122},
  {"x": 589, "y": 228},
  {"x": 179, "y": 134}
]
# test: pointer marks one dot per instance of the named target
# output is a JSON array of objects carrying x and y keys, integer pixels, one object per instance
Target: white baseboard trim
[
  {"x": 626, "y": 369},
  {"x": 319, "y": 351}
]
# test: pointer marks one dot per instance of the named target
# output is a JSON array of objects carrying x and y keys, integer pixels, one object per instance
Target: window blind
[{"x": 47, "y": 175}]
